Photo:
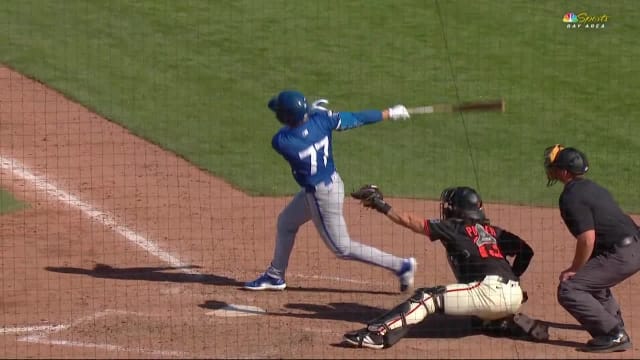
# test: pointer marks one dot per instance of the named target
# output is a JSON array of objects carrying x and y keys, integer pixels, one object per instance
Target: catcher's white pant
[{"x": 489, "y": 299}]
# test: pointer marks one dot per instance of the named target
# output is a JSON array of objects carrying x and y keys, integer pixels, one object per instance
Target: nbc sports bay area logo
[{"x": 584, "y": 20}]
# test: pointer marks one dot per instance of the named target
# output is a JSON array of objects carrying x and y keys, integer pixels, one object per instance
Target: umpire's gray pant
[{"x": 587, "y": 295}]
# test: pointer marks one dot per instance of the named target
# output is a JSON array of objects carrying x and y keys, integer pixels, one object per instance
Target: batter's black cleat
[
  {"x": 616, "y": 340},
  {"x": 364, "y": 338}
]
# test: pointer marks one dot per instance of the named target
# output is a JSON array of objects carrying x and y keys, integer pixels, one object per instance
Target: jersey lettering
[
  {"x": 485, "y": 239},
  {"x": 312, "y": 153}
]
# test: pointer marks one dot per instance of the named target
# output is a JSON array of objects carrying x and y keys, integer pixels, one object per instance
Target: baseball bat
[{"x": 490, "y": 105}]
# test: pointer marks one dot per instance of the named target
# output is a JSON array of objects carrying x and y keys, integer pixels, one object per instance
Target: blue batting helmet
[{"x": 290, "y": 107}]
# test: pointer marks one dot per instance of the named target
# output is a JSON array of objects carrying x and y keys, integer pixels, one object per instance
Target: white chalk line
[
  {"x": 104, "y": 218},
  {"x": 43, "y": 184},
  {"x": 333, "y": 278},
  {"x": 321, "y": 330},
  {"x": 34, "y": 328},
  {"x": 110, "y": 347},
  {"x": 43, "y": 333}
]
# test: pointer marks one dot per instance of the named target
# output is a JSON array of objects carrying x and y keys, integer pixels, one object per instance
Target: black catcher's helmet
[
  {"x": 461, "y": 202},
  {"x": 565, "y": 158}
]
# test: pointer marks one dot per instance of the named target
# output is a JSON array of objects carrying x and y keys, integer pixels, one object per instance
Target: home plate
[{"x": 233, "y": 310}]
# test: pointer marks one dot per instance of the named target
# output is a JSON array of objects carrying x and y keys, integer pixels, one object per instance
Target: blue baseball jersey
[{"x": 308, "y": 147}]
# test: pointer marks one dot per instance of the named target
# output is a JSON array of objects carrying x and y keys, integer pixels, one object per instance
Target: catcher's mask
[
  {"x": 290, "y": 107},
  {"x": 461, "y": 202},
  {"x": 564, "y": 158}
]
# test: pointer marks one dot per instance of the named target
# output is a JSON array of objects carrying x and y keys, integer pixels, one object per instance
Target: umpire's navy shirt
[{"x": 585, "y": 205}]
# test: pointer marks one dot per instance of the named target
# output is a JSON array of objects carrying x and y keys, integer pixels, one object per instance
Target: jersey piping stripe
[
  {"x": 332, "y": 244},
  {"x": 427, "y": 229},
  {"x": 429, "y": 298},
  {"x": 324, "y": 227}
]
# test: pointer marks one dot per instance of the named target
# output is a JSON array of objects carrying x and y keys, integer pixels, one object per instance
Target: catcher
[{"x": 488, "y": 285}]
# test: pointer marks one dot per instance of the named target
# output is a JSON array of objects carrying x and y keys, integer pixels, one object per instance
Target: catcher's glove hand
[{"x": 370, "y": 196}]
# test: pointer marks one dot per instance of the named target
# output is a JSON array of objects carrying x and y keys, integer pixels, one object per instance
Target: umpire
[{"x": 607, "y": 250}]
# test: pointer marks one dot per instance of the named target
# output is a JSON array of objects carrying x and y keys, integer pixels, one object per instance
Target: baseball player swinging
[
  {"x": 305, "y": 142},
  {"x": 488, "y": 285}
]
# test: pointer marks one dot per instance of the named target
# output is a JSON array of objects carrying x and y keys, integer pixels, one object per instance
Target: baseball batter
[
  {"x": 305, "y": 142},
  {"x": 488, "y": 285}
]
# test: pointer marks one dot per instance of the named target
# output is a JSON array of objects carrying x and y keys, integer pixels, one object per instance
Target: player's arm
[
  {"x": 350, "y": 120},
  {"x": 578, "y": 218},
  {"x": 371, "y": 197},
  {"x": 275, "y": 143},
  {"x": 584, "y": 247},
  {"x": 512, "y": 245},
  {"x": 408, "y": 220}
]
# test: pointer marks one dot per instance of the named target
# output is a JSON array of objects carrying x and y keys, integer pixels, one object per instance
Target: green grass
[
  {"x": 8, "y": 203},
  {"x": 195, "y": 76}
]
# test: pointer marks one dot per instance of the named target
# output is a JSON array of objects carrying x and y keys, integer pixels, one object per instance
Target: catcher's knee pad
[
  {"x": 436, "y": 293},
  {"x": 399, "y": 312}
]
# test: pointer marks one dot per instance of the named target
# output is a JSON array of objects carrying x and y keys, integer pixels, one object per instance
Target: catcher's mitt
[{"x": 370, "y": 196}]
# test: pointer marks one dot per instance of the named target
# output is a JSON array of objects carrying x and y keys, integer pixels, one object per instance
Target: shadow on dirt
[
  {"x": 445, "y": 326},
  {"x": 562, "y": 326},
  {"x": 433, "y": 327},
  {"x": 351, "y": 312},
  {"x": 169, "y": 274},
  {"x": 159, "y": 273}
]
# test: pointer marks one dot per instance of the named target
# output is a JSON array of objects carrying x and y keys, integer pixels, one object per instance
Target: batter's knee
[
  {"x": 341, "y": 250},
  {"x": 285, "y": 225}
]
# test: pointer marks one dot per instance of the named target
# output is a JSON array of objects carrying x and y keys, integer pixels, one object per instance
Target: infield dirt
[{"x": 127, "y": 247}]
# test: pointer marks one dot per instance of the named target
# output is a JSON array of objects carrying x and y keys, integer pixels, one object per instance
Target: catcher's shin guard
[{"x": 387, "y": 324}]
